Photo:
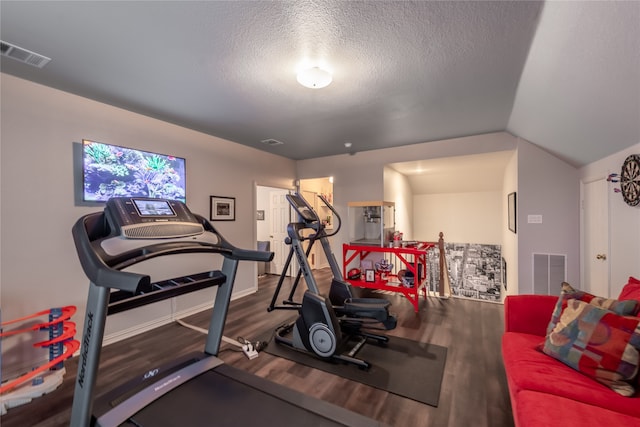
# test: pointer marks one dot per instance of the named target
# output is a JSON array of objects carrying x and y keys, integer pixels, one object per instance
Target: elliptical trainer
[
  {"x": 330, "y": 328},
  {"x": 341, "y": 294}
]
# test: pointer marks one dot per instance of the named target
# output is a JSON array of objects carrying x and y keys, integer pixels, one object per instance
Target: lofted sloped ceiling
[
  {"x": 461, "y": 174},
  {"x": 563, "y": 75}
]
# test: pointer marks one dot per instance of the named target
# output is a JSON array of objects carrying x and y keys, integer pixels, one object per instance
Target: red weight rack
[{"x": 411, "y": 258}]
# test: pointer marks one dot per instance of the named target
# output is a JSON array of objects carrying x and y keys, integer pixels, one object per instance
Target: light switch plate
[{"x": 534, "y": 219}]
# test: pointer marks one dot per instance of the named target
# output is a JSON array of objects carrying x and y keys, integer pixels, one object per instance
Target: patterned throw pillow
[
  {"x": 623, "y": 308},
  {"x": 598, "y": 343}
]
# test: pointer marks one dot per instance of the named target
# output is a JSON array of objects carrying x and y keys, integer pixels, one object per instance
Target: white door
[
  {"x": 596, "y": 238},
  {"x": 278, "y": 229}
]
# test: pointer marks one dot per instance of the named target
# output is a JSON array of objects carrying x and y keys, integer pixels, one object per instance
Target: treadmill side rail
[{"x": 135, "y": 403}]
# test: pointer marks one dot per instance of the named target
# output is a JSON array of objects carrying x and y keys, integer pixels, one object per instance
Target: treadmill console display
[
  {"x": 147, "y": 218},
  {"x": 153, "y": 208}
]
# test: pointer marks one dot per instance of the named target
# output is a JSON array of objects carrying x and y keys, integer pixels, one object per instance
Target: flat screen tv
[{"x": 114, "y": 171}]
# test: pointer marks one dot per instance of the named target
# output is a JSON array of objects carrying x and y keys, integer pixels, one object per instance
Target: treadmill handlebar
[
  {"x": 105, "y": 270},
  {"x": 94, "y": 267},
  {"x": 251, "y": 255},
  {"x": 236, "y": 253}
]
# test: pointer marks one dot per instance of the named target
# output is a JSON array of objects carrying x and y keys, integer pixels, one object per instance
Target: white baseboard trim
[{"x": 165, "y": 320}]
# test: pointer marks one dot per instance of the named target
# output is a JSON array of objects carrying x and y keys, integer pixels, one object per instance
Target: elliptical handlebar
[
  {"x": 335, "y": 214},
  {"x": 303, "y": 208},
  {"x": 309, "y": 214}
]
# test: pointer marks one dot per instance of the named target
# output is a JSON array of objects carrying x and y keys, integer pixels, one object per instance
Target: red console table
[{"x": 412, "y": 258}]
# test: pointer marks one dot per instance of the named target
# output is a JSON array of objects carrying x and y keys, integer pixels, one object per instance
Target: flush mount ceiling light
[{"x": 314, "y": 78}]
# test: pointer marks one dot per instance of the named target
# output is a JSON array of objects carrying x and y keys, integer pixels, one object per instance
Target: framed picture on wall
[
  {"x": 504, "y": 273},
  {"x": 222, "y": 208},
  {"x": 511, "y": 202}
]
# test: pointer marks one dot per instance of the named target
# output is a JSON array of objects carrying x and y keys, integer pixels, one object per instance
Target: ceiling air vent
[
  {"x": 272, "y": 142},
  {"x": 23, "y": 55}
]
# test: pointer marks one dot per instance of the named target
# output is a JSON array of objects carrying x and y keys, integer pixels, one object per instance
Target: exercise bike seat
[
  {"x": 376, "y": 304},
  {"x": 367, "y": 308},
  {"x": 373, "y": 308},
  {"x": 345, "y": 305}
]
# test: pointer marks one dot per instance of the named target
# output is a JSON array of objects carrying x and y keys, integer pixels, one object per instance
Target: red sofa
[{"x": 544, "y": 391}]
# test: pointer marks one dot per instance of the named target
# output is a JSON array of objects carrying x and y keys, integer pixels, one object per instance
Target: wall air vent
[
  {"x": 272, "y": 142},
  {"x": 23, "y": 55},
  {"x": 549, "y": 271}
]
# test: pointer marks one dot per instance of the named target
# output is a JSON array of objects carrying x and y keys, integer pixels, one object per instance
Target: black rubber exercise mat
[{"x": 407, "y": 368}]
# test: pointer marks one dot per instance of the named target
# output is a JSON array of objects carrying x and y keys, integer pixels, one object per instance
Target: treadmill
[{"x": 196, "y": 390}]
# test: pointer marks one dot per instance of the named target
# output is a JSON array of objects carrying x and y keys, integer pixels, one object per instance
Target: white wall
[
  {"x": 360, "y": 177},
  {"x": 545, "y": 185},
  {"x": 510, "y": 239},
  {"x": 624, "y": 222},
  {"x": 397, "y": 189},
  {"x": 549, "y": 187},
  {"x": 461, "y": 217},
  {"x": 39, "y": 265}
]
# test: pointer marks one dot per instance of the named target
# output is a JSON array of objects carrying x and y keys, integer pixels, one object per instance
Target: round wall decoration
[{"x": 630, "y": 180}]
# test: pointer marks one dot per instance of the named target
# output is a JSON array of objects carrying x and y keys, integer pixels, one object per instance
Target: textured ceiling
[{"x": 563, "y": 75}]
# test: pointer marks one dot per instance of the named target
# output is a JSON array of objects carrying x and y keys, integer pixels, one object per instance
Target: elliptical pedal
[{"x": 317, "y": 331}]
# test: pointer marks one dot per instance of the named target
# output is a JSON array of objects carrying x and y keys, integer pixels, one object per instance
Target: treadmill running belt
[{"x": 214, "y": 399}]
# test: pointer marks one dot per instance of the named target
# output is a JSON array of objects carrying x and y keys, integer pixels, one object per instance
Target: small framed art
[
  {"x": 511, "y": 201},
  {"x": 222, "y": 208},
  {"x": 370, "y": 275}
]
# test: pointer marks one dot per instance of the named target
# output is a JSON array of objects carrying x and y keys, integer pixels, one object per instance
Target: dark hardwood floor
[{"x": 474, "y": 388}]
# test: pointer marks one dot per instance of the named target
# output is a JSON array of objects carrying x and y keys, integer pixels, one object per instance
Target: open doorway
[
  {"x": 274, "y": 214},
  {"x": 310, "y": 189},
  {"x": 272, "y": 217}
]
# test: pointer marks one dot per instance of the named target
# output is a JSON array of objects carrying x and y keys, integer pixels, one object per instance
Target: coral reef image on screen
[{"x": 113, "y": 171}]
